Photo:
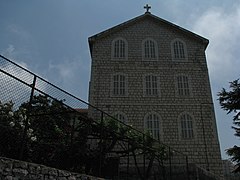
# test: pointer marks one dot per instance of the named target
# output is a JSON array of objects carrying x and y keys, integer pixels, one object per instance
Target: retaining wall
[{"x": 19, "y": 170}]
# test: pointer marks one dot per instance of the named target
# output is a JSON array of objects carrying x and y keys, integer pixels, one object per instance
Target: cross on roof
[{"x": 147, "y": 7}]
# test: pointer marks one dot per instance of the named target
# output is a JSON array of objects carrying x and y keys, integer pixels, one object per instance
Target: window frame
[
  {"x": 121, "y": 114},
  {"x": 188, "y": 133},
  {"x": 183, "y": 85},
  {"x": 155, "y": 49},
  {"x": 180, "y": 49},
  {"x": 118, "y": 83},
  {"x": 157, "y": 86},
  {"x": 155, "y": 129},
  {"x": 113, "y": 49}
]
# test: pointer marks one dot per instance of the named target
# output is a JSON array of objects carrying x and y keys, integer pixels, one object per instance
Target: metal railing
[{"x": 44, "y": 124}]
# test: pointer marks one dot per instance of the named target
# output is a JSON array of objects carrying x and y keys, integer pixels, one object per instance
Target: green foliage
[
  {"x": 57, "y": 136},
  {"x": 10, "y": 131},
  {"x": 230, "y": 101},
  {"x": 235, "y": 153},
  {"x": 51, "y": 138}
]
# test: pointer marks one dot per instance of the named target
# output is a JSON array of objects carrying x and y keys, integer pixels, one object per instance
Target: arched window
[
  {"x": 178, "y": 49},
  {"x": 151, "y": 85},
  {"x": 120, "y": 116},
  {"x": 152, "y": 124},
  {"x": 183, "y": 86},
  {"x": 149, "y": 48},
  {"x": 186, "y": 126},
  {"x": 119, "y": 85},
  {"x": 119, "y": 48}
]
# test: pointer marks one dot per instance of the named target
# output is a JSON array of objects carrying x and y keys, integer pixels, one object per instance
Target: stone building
[{"x": 153, "y": 75}]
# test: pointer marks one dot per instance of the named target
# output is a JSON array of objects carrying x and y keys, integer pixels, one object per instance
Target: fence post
[
  {"x": 144, "y": 168},
  {"x": 100, "y": 143},
  {"x": 27, "y": 119},
  {"x": 72, "y": 123},
  {"x": 128, "y": 161},
  {"x": 188, "y": 178},
  {"x": 170, "y": 163}
]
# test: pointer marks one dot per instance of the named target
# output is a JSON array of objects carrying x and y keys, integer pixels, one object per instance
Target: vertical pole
[
  {"x": 27, "y": 119},
  {"x": 100, "y": 143},
  {"x": 73, "y": 116},
  {"x": 128, "y": 161},
  {"x": 118, "y": 173},
  {"x": 144, "y": 168},
  {"x": 170, "y": 163},
  {"x": 188, "y": 178},
  {"x": 73, "y": 128}
]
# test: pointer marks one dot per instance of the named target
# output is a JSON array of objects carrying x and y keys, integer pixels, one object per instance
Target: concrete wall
[{"x": 18, "y": 170}]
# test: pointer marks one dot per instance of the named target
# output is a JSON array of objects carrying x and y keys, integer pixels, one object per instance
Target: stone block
[
  {"x": 20, "y": 164},
  {"x": 34, "y": 168},
  {"x": 8, "y": 178},
  {"x": 62, "y": 178},
  {"x": 20, "y": 172},
  {"x": 36, "y": 176},
  {"x": 64, "y": 173}
]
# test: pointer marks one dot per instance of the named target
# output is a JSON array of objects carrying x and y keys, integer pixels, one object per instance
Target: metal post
[
  {"x": 128, "y": 161},
  {"x": 73, "y": 128},
  {"x": 73, "y": 116},
  {"x": 27, "y": 119},
  {"x": 100, "y": 143},
  {"x": 170, "y": 163},
  {"x": 144, "y": 168},
  {"x": 188, "y": 178}
]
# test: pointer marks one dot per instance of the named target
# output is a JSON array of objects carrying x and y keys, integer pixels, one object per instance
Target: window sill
[
  {"x": 119, "y": 96},
  {"x": 149, "y": 59},
  {"x": 119, "y": 59},
  {"x": 180, "y": 60}
]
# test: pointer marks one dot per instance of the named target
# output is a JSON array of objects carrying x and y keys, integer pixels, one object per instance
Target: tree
[
  {"x": 54, "y": 138},
  {"x": 58, "y": 136},
  {"x": 10, "y": 131},
  {"x": 230, "y": 101},
  {"x": 49, "y": 132}
]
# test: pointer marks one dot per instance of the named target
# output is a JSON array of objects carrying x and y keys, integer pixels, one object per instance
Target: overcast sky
[{"x": 49, "y": 37}]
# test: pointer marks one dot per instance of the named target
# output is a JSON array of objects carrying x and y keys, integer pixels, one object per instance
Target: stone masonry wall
[
  {"x": 204, "y": 148},
  {"x": 18, "y": 170}
]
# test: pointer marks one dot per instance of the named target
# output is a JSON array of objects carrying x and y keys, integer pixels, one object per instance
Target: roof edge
[{"x": 93, "y": 38}]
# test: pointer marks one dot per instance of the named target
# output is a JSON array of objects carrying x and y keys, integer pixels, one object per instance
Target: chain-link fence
[{"x": 42, "y": 123}]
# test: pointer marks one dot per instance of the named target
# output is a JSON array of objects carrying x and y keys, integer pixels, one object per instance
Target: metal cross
[{"x": 147, "y": 7}]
